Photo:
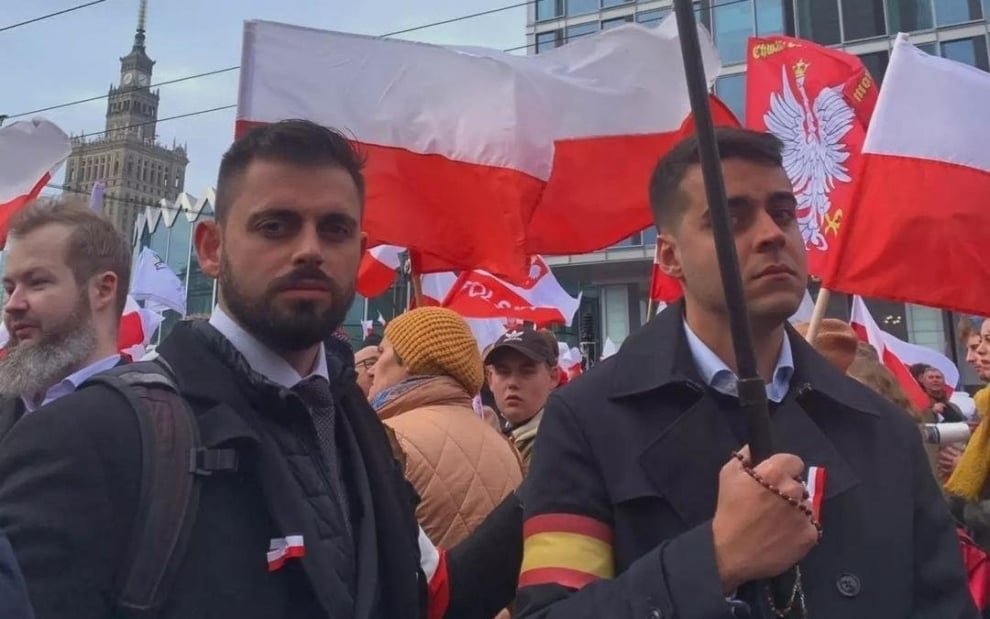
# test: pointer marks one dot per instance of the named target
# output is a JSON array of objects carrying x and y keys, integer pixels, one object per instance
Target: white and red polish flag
[
  {"x": 281, "y": 549},
  {"x": 378, "y": 270},
  {"x": 540, "y": 299},
  {"x": 869, "y": 331},
  {"x": 31, "y": 152},
  {"x": 916, "y": 230},
  {"x": 137, "y": 327},
  {"x": 367, "y": 327},
  {"x": 480, "y": 158}
]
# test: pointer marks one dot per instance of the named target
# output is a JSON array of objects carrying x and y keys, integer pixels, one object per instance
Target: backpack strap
[{"x": 172, "y": 463}]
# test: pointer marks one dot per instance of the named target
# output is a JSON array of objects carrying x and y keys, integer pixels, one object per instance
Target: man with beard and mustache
[
  {"x": 65, "y": 282},
  {"x": 313, "y": 518}
]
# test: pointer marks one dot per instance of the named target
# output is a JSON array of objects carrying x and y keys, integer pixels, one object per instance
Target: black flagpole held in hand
[{"x": 752, "y": 392}]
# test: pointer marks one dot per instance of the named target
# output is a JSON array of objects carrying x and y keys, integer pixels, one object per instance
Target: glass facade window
[
  {"x": 581, "y": 7},
  {"x": 549, "y": 9},
  {"x": 654, "y": 17},
  {"x": 924, "y": 327},
  {"x": 929, "y": 48},
  {"x": 770, "y": 16},
  {"x": 609, "y": 3},
  {"x": 731, "y": 89},
  {"x": 733, "y": 25},
  {"x": 547, "y": 40},
  {"x": 650, "y": 236},
  {"x": 818, "y": 21},
  {"x": 971, "y": 51},
  {"x": 580, "y": 30},
  {"x": 862, "y": 19},
  {"x": 615, "y": 307},
  {"x": 909, "y": 15},
  {"x": 876, "y": 64},
  {"x": 949, "y": 12},
  {"x": 614, "y": 23}
]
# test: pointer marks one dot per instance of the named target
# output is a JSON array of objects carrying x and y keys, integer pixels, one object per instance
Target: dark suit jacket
[
  {"x": 636, "y": 446},
  {"x": 69, "y": 479},
  {"x": 13, "y": 597}
]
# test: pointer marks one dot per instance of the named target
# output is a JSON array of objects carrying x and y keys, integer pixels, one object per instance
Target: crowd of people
[{"x": 259, "y": 466}]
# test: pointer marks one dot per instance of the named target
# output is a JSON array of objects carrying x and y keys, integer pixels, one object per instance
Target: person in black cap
[{"x": 522, "y": 372}]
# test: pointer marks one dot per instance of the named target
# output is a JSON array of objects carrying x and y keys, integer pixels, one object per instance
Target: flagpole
[
  {"x": 752, "y": 393},
  {"x": 821, "y": 304},
  {"x": 415, "y": 281}
]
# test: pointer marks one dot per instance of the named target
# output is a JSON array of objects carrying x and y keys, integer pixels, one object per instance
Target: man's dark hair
[
  {"x": 667, "y": 200},
  {"x": 918, "y": 370},
  {"x": 299, "y": 142},
  {"x": 372, "y": 340}
]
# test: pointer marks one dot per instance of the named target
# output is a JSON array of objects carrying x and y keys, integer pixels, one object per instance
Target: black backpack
[{"x": 173, "y": 462}]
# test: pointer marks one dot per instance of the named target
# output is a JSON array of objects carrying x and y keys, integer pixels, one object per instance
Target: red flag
[
  {"x": 611, "y": 202},
  {"x": 818, "y": 101},
  {"x": 541, "y": 299},
  {"x": 663, "y": 288},
  {"x": 377, "y": 270},
  {"x": 917, "y": 233}
]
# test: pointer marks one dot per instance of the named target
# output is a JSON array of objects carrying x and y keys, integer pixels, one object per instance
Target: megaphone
[{"x": 946, "y": 433}]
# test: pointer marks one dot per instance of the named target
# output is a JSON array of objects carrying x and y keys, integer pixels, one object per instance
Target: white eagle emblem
[{"x": 814, "y": 154}]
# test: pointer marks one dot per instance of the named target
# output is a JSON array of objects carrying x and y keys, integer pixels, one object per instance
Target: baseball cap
[{"x": 526, "y": 341}]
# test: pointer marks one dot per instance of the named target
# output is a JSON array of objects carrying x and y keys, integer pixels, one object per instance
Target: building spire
[{"x": 139, "y": 35}]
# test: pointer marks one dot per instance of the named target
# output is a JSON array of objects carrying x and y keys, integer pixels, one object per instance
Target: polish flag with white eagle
[
  {"x": 31, "y": 152},
  {"x": 478, "y": 158},
  {"x": 890, "y": 349},
  {"x": 917, "y": 225},
  {"x": 540, "y": 299}
]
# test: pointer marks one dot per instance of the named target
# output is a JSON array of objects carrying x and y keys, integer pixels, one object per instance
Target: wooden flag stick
[{"x": 821, "y": 304}]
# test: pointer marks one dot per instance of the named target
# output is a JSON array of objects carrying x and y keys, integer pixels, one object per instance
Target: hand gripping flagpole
[{"x": 752, "y": 393}]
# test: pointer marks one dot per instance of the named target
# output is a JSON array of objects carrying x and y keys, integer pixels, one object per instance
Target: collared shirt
[
  {"x": 262, "y": 359},
  {"x": 719, "y": 377},
  {"x": 70, "y": 383}
]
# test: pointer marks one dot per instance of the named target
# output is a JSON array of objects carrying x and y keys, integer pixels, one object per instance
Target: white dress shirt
[{"x": 719, "y": 377}]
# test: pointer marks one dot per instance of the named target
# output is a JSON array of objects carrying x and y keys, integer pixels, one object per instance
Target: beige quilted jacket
[{"x": 461, "y": 467}]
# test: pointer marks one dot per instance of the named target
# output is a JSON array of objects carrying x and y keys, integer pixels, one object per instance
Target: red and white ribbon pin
[
  {"x": 281, "y": 549},
  {"x": 816, "y": 489}
]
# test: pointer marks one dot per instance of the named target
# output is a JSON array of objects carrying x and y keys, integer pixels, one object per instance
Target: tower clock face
[
  {"x": 142, "y": 79},
  {"x": 128, "y": 78}
]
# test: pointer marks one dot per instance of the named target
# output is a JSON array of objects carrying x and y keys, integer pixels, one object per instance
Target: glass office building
[{"x": 615, "y": 281}]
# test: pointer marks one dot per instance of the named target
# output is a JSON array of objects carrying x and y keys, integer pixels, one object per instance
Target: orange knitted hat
[{"x": 435, "y": 341}]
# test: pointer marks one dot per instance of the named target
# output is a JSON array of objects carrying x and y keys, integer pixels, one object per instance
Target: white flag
[{"x": 156, "y": 283}]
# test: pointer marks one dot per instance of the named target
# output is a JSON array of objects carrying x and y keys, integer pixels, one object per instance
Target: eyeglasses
[{"x": 365, "y": 364}]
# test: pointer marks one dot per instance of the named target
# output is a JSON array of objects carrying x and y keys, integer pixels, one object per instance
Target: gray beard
[{"x": 32, "y": 369}]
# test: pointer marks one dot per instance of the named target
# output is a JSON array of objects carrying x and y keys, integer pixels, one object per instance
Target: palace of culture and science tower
[{"x": 136, "y": 169}]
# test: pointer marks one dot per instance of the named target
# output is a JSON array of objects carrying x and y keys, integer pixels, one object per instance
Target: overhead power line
[{"x": 50, "y": 15}]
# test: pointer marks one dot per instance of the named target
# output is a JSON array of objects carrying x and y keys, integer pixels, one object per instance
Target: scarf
[{"x": 970, "y": 476}]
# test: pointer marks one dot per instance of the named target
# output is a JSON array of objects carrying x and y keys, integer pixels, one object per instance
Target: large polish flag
[
  {"x": 917, "y": 229},
  {"x": 31, "y": 152},
  {"x": 482, "y": 158},
  {"x": 869, "y": 331}
]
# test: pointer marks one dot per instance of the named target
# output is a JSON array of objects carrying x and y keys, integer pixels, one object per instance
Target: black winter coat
[{"x": 627, "y": 463}]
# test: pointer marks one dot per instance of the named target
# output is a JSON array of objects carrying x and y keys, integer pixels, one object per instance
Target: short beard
[
  {"x": 296, "y": 328},
  {"x": 33, "y": 368}
]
